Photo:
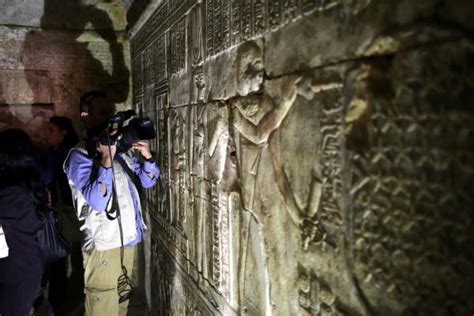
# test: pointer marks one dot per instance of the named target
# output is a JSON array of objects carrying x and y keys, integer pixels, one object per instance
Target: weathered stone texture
[
  {"x": 316, "y": 155},
  {"x": 73, "y": 14},
  {"x": 43, "y": 71}
]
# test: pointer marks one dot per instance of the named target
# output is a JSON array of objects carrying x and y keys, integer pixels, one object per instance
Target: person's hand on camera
[
  {"x": 143, "y": 146},
  {"x": 108, "y": 153}
]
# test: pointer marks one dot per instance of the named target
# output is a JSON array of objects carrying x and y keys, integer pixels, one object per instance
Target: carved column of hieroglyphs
[
  {"x": 159, "y": 60},
  {"x": 236, "y": 21},
  {"x": 178, "y": 46}
]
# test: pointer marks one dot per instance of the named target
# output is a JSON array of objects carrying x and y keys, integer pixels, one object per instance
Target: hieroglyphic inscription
[
  {"x": 163, "y": 155},
  {"x": 137, "y": 73},
  {"x": 159, "y": 60},
  {"x": 217, "y": 25},
  {"x": 259, "y": 17},
  {"x": 315, "y": 295},
  {"x": 224, "y": 236},
  {"x": 274, "y": 13},
  {"x": 331, "y": 161},
  {"x": 289, "y": 10},
  {"x": 405, "y": 197},
  {"x": 179, "y": 174},
  {"x": 210, "y": 27},
  {"x": 148, "y": 69},
  {"x": 175, "y": 4},
  {"x": 157, "y": 22},
  {"x": 178, "y": 46},
  {"x": 216, "y": 251},
  {"x": 235, "y": 21},
  {"x": 246, "y": 21},
  {"x": 196, "y": 27},
  {"x": 226, "y": 24}
]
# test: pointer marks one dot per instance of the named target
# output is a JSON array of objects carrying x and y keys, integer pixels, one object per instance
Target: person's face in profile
[
  {"x": 54, "y": 135},
  {"x": 100, "y": 112}
]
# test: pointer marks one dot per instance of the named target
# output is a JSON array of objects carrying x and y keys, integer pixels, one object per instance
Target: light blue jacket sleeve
[
  {"x": 78, "y": 168},
  {"x": 148, "y": 172}
]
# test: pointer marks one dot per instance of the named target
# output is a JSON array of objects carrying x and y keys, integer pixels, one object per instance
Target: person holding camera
[{"x": 106, "y": 181}]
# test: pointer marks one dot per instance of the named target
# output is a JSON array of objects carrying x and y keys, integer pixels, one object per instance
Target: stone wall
[
  {"x": 316, "y": 156},
  {"x": 51, "y": 52}
]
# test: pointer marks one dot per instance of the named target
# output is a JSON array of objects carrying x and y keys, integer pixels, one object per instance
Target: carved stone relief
[
  {"x": 324, "y": 170},
  {"x": 178, "y": 46},
  {"x": 416, "y": 134}
]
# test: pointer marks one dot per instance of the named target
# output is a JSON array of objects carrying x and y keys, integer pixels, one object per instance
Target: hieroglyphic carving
[
  {"x": 159, "y": 60},
  {"x": 226, "y": 43},
  {"x": 259, "y": 17},
  {"x": 175, "y": 4},
  {"x": 155, "y": 23},
  {"x": 405, "y": 198},
  {"x": 225, "y": 243},
  {"x": 289, "y": 10},
  {"x": 217, "y": 25},
  {"x": 196, "y": 26},
  {"x": 253, "y": 120},
  {"x": 163, "y": 155},
  {"x": 274, "y": 13},
  {"x": 137, "y": 73},
  {"x": 321, "y": 208},
  {"x": 178, "y": 45},
  {"x": 200, "y": 193},
  {"x": 331, "y": 160},
  {"x": 315, "y": 295},
  {"x": 210, "y": 28},
  {"x": 224, "y": 211},
  {"x": 235, "y": 22},
  {"x": 148, "y": 69},
  {"x": 216, "y": 212},
  {"x": 178, "y": 184},
  {"x": 246, "y": 21}
]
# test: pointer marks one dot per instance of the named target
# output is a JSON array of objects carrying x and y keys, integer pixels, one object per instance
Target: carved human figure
[
  {"x": 242, "y": 131},
  {"x": 307, "y": 218},
  {"x": 179, "y": 168},
  {"x": 199, "y": 184}
]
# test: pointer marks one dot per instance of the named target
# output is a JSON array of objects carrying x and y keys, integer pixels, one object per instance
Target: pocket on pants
[{"x": 102, "y": 270}]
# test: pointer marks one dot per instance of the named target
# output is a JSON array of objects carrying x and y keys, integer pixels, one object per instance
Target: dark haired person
[
  {"x": 21, "y": 203},
  {"x": 61, "y": 137},
  {"x": 89, "y": 170}
]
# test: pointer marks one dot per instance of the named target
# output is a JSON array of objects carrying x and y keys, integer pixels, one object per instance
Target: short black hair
[
  {"x": 65, "y": 124},
  {"x": 88, "y": 97}
]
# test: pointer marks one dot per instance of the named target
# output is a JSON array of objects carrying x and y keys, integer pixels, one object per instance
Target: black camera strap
[
  {"x": 124, "y": 283},
  {"x": 131, "y": 174}
]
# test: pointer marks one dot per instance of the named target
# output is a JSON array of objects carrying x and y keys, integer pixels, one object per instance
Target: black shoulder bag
[{"x": 50, "y": 239}]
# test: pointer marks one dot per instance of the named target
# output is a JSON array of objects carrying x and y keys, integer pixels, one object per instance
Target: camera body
[{"x": 139, "y": 128}]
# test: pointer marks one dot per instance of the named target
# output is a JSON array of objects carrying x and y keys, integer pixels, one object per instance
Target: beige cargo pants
[{"x": 102, "y": 269}]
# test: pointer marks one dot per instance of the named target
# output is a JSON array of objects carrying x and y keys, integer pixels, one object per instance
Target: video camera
[{"x": 139, "y": 128}]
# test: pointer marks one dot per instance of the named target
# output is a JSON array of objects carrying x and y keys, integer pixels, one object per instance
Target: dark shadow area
[
  {"x": 72, "y": 18},
  {"x": 136, "y": 10}
]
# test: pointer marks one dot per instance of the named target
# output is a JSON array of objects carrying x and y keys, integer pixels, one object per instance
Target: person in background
[
  {"x": 63, "y": 291},
  {"x": 108, "y": 247},
  {"x": 22, "y": 201}
]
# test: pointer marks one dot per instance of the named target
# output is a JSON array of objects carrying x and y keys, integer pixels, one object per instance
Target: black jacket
[{"x": 20, "y": 223}]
